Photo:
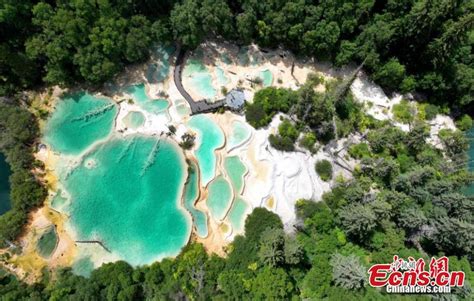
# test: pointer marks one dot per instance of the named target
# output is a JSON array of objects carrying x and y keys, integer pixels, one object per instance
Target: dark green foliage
[
  {"x": 18, "y": 132},
  {"x": 286, "y": 138},
  {"x": 266, "y": 103},
  {"x": 324, "y": 169}
]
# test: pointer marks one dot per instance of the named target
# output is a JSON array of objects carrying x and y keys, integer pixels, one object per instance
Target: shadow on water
[{"x": 5, "y": 172}]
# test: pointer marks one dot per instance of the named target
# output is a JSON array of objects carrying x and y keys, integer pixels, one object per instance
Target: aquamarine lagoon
[
  {"x": 78, "y": 121},
  {"x": 220, "y": 197},
  {"x": 129, "y": 201},
  {"x": 212, "y": 138},
  {"x": 139, "y": 95},
  {"x": 191, "y": 194},
  {"x": 124, "y": 183},
  {"x": 200, "y": 78},
  {"x": 134, "y": 119}
]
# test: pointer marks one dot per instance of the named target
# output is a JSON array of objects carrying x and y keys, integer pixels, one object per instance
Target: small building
[{"x": 235, "y": 99}]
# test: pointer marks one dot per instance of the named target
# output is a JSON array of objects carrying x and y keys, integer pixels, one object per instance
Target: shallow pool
[
  {"x": 83, "y": 266},
  {"x": 154, "y": 106},
  {"x": 199, "y": 78},
  {"x": 159, "y": 70},
  {"x": 237, "y": 215},
  {"x": 191, "y": 193},
  {"x": 131, "y": 203},
  {"x": 134, "y": 119},
  {"x": 47, "y": 242},
  {"x": 240, "y": 133},
  {"x": 210, "y": 137},
  {"x": 78, "y": 121},
  {"x": 219, "y": 198},
  {"x": 221, "y": 77},
  {"x": 267, "y": 77},
  {"x": 235, "y": 170}
]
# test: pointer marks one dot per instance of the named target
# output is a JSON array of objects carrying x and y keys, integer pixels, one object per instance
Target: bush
[
  {"x": 286, "y": 138},
  {"x": 324, "y": 170},
  {"x": 403, "y": 112},
  {"x": 359, "y": 151},
  {"x": 281, "y": 143},
  {"x": 465, "y": 123},
  {"x": 308, "y": 142},
  {"x": 266, "y": 103},
  {"x": 431, "y": 111}
]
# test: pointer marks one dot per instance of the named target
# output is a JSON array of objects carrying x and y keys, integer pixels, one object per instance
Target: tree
[
  {"x": 271, "y": 284},
  {"x": 358, "y": 221},
  {"x": 324, "y": 169},
  {"x": 458, "y": 244},
  {"x": 391, "y": 74},
  {"x": 348, "y": 272},
  {"x": 272, "y": 244}
]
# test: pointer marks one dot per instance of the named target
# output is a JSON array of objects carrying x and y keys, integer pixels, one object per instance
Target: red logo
[{"x": 410, "y": 276}]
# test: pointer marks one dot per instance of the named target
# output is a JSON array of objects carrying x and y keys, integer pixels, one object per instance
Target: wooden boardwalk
[{"x": 200, "y": 106}]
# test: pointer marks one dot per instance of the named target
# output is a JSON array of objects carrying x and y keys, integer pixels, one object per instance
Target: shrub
[
  {"x": 403, "y": 112},
  {"x": 324, "y": 169},
  {"x": 359, "y": 151},
  {"x": 465, "y": 123},
  {"x": 308, "y": 141},
  {"x": 431, "y": 111}
]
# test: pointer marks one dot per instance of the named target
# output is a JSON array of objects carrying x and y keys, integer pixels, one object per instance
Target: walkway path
[{"x": 200, "y": 106}]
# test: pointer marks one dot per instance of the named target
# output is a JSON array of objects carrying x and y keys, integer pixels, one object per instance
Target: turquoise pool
[
  {"x": 159, "y": 70},
  {"x": 237, "y": 215},
  {"x": 240, "y": 134},
  {"x": 235, "y": 170},
  {"x": 267, "y": 77},
  {"x": 200, "y": 78},
  {"x": 134, "y": 119},
  {"x": 191, "y": 193},
  {"x": 219, "y": 198},
  {"x": 210, "y": 138},
  {"x": 154, "y": 106},
  {"x": 131, "y": 203},
  {"x": 221, "y": 77},
  {"x": 78, "y": 121},
  {"x": 83, "y": 267}
]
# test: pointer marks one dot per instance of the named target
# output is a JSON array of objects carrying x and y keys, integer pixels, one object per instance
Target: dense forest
[
  {"x": 408, "y": 45},
  {"x": 405, "y": 195}
]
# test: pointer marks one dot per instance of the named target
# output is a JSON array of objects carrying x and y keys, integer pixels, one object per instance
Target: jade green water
[
  {"x": 59, "y": 202},
  {"x": 78, "y": 121},
  {"x": 83, "y": 267},
  {"x": 240, "y": 133},
  {"x": 210, "y": 138},
  {"x": 221, "y": 77},
  {"x": 159, "y": 70},
  {"x": 191, "y": 193},
  {"x": 154, "y": 106},
  {"x": 267, "y": 77},
  {"x": 470, "y": 136},
  {"x": 243, "y": 56},
  {"x": 200, "y": 78},
  {"x": 134, "y": 119},
  {"x": 237, "y": 214},
  {"x": 5, "y": 172},
  {"x": 47, "y": 243},
  {"x": 235, "y": 170},
  {"x": 219, "y": 198},
  {"x": 130, "y": 199}
]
